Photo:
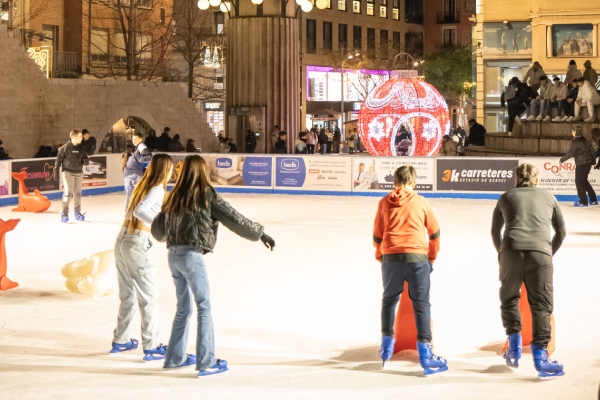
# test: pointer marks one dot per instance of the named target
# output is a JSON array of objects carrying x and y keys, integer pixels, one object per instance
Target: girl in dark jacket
[{"x": 188, "y": 222}]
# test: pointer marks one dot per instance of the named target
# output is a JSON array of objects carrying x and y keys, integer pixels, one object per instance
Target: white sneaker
[
  {"x": 570, "y": 119},
  {"x": 565, "y": 118},
  {"x": 518, "y": 120},
  {"x": 556, "y": 119},
  {"x": 531, "y": 118},
  {"x": 538, "y": 118},
  {"x": 546, "y": 119},
  {"x": 588, "y": 119}
]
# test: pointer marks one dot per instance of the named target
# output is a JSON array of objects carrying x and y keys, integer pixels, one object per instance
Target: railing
[
  {"x": 443, "y": 18},
  {"x": 66, "y": 64}
]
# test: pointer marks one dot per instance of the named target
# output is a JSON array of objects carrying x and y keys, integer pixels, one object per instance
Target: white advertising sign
[
  {"x": 559, "y": 178},
  {"x": 377, "y": 173}
]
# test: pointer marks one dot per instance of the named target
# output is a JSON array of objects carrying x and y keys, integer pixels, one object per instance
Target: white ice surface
[{"x": 301, "y": 322}]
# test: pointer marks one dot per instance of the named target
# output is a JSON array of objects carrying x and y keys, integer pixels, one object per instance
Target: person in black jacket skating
[
  {"x": 72, "y": 156},
  {"x": 188, "y": 222},
  {"x": 585, "y": 156}
]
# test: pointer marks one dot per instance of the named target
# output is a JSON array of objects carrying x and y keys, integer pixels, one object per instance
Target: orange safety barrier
[
  {"x": 405, "y": 328},
  {"x": 29, "y": 202},
  {"x": 6, "y": 226},
  {"x": 527, "y": 326}
]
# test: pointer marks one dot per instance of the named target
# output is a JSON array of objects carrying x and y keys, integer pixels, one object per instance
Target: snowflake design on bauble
[
  {"x": 376, "y": 130},
  {"x": 430, "y": 130}
]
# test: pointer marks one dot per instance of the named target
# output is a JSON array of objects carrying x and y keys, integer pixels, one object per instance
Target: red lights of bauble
[{"x": 403, "y": 102}]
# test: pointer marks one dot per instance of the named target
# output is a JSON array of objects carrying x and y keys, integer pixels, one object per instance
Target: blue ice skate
[
  {"x": 545, "y": 367},
  {"x": 513, "y": 353},
  {"x": 157, "y": 353},
  {"x": 190, "y": 360},
  {"x": 219, "y": 367},
  {"x": 79, "y": 216},
  {"x": 119, "y": 348},
  {"x": 593, "y": 203},
  {"x": 387, "y": 348},
  {"x": 579, "y": 204},
  {"x": 64, "y": 217},
  {"x": 431, "y": 363}
]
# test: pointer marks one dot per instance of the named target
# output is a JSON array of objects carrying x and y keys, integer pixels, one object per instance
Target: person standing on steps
[
  {"x": 585, "y": 156},
  {"x": 71, "y": 156},
  {"x": 406, "y": 237},
  {"x": 572, "y": 73},
  {"x": 525, "y": 256},
  {"x": 532, "y": 78},
  {"x": 135, "y": 270},
  {"x": 134, "y": 168},
  {"x": 590, "y": 74},
  {"x": 512, "y": 95},
  {"x": 188, "y": 222}
]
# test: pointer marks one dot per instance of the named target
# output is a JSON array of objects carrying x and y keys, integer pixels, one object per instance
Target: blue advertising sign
[
  {"x": 257, "y": 171},
  {"x": 290, "y": 172}
]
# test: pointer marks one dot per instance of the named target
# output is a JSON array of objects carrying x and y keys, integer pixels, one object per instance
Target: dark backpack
[{"x": 510, "y": 92}]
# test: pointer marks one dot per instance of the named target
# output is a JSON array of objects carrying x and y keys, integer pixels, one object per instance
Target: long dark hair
[
  {"x": 157, "y": 173},
  {"x": 189, "y": 192}
]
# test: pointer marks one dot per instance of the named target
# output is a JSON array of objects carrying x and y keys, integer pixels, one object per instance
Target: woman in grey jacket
[
  {"x": 135, "y": 270},
  {"x": 188, "y": 223}
]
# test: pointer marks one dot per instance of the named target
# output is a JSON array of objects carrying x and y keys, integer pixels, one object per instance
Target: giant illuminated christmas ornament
[{"x": 403, "y": 116}]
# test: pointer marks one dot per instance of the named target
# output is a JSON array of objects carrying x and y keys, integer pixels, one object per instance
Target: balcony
[
  {"x": 66, "y": 65},
  {"x": 448, "y": 18}
]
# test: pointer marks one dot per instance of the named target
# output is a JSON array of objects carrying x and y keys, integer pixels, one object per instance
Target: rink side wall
[{"x": 443, "y": 177}]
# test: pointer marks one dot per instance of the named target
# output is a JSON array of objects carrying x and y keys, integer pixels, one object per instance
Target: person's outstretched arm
[
  {"x": 223, "y": 212},
  {"x": 497, "y": 225}
]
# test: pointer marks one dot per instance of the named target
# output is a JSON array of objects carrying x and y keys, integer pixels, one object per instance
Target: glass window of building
[
  {"x": 327, "y": 36},
  {"x": 396, "y": 42},
  {"x": 357, "y": 38},
  {"x": 449, "y": 10},
  {"x": 311, "y": 36},
  {"x": 370, "y": 7},
  {"x": 219, "y": 22},
  {"x": 144, "y": 48},
  {"x": 383, "y": 10},
  {"x": 99, "y": 48},
  {"x": 413, "y": 11},
  {"x": 118, "y": 48},
  {"x": 449, "y": 37},
  {"x": 342, "y": 5},
  {"x": 342, "y": 37},
  {"x": 383, "y": 44},
  {"x": 356, "y": 6},
  {"x": 371, "y": 41},
  {"x": 396, "y": 9}
]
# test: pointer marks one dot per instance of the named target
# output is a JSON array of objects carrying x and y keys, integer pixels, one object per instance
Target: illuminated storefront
[{"x": 214, "y": 116}]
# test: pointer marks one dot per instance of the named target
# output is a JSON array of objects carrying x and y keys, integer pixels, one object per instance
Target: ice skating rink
[{"x": 301, "y": 322}]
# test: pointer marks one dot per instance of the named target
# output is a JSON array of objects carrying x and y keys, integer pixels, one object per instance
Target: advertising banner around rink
[
  {"x": 557, "y": 178},
  {"x": 38, "y": 175},
  {"x": 475, "y": 175},
  {"x": 376, "y": 174},
  {"x": 5, "y": 178},
  {"x": 94, "y": 174},
  {"x": 240, "y": 170},
  {"x": 313, "y": 173}
]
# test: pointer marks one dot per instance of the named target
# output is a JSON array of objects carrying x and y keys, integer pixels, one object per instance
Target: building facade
[
  {"x": 331, "y": 38},
  {"x": 448, "y": 23},
  {"x": 512, "y": 34}
]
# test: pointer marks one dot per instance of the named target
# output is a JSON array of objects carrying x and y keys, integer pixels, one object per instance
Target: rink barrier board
[{"x": 342, "y": 171}]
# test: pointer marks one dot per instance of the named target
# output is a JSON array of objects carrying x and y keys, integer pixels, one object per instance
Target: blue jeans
[
  {"x": 190, "y": 278},
  {"x": 137, "y": 287},
  {"x": 323, "y": 148},
  {"x": 394, "y": 272},
  {"x": 129, "y": 182}
]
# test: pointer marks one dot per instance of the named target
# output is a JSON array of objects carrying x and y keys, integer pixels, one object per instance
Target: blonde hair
[
  {"x": 527, "y": 175},
  {"x": 74, "y": 133},
  {"x": 157, "y": 173}
]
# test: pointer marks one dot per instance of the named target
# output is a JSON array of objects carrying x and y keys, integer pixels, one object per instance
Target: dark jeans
[
  {"x": 394, "y": 272},
  {"x": 535, "y": 269},
  {"x": 569, "y": 109},
  {"x": 515, "y": 109},
  {"x": 323, "y": 148},
  {"x": 311, "y": 148},
  {"x": 562, "y": 106},
  {"x": 583, "y": 185}
]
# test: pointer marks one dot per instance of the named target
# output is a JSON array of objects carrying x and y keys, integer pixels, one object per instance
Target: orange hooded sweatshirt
[{"x": 403, "y": 223}]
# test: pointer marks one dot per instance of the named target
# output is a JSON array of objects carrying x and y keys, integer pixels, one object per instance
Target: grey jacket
[
  {"x": 582, "y": 151},
  {"x": 200, "y": 228},
  {"x": 526, "y": 213}
]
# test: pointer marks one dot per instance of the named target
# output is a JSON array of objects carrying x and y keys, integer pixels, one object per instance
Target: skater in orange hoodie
[{"x": 403, "y": 223}]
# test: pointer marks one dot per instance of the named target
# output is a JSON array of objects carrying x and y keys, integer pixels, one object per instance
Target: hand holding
[{"x": 267, "y": 241}]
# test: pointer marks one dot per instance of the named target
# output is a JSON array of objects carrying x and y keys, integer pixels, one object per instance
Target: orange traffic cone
[
  {"x": 527, "y": 326},
  {"x": 405, "y": 328}
]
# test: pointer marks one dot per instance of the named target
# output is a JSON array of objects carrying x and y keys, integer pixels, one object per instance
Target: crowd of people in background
[{"x": 533, "y": 98}]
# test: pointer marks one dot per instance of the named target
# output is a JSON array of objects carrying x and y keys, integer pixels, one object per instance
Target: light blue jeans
[
  {"x": 129, "y": 182},
  {"x": 137, "y": 287},
  {"x": 191, "y": 285}
]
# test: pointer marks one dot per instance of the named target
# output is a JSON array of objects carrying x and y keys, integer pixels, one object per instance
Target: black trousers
[
  {"x": 311, "y": 148},
  {"x": 394, "y": 272},
  {"x": 535, "y": 269},
  {"x": 515, "y": 108},
  {"x": 584, "y": 188}
]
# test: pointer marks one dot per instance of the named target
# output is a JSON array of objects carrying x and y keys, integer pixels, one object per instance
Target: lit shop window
[
  {"x": 370, "y": 7},
  {"x": 356, "y": 6},
  {"x": 342, "y": 5}
]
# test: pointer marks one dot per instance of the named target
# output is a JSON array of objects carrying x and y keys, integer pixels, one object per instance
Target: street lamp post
[{"x": 346, "y": 58}]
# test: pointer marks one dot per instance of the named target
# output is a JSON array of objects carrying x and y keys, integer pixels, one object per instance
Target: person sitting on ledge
[
  {"x": 476, "y": 134},
  {"x": 587, "y": 96}
]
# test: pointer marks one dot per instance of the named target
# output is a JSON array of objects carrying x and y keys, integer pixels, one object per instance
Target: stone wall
[{"x": 37, "y": 111}]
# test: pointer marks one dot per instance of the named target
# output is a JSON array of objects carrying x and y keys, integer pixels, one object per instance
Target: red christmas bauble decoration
[{"x": 403, "y": 102}]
